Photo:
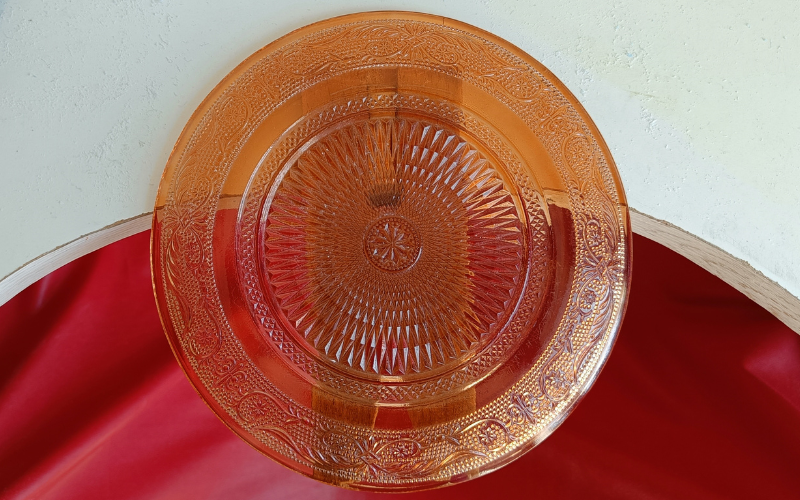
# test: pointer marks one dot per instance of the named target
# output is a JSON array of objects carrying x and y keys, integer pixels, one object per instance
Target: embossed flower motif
[
  {"x": 401, "y": 449},
  {"x": 204, "y": 342},
  {"x": 381, "y": 47},
  {"x": 594, "y": 237},
  {"x": 517, "y": 82},
  {"x": 233, "y": 113},
  {"x": 391, "y": 244},
  {"x": 558, "y": 381},
  {"x": 413, "y": 42},
  {"x": 488, "y": 435},
  {"x": 371, "y": 455},
  {"x": 493, "y": 435},
  {"x": 602, "y": 260},
  {"x": 587, "y": 299},
  {"x": 577, "y": 152},
  {"x": 254, "y": 407}
]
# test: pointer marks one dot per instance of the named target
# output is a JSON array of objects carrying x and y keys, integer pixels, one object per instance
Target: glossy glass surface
[{"x": 391, "y": 251}]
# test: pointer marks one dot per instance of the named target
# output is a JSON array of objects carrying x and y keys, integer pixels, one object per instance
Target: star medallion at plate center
[{"x": 391, "y": 244}]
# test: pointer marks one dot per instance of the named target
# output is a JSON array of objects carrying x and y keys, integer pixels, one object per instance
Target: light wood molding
[
  {"x": 46, "y": 263},
  {"x": 735, "y": 272}
]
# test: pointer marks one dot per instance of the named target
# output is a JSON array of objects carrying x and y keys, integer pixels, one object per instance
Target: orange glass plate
[{"x": 391, "y": 251}]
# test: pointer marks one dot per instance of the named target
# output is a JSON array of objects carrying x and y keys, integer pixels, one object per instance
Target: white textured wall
[{"x": 699, "y": 102}]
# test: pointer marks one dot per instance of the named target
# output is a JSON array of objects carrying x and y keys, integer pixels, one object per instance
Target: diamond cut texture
[{"x": 393, "y": 247}]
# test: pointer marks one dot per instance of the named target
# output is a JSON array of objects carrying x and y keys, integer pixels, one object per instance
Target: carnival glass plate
[{"x": 391, "y": 251}]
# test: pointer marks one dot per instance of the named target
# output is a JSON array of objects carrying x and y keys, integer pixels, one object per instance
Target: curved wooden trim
[
  {"x": 736, "y": 272},
  {"x": 46, "y": 263}
]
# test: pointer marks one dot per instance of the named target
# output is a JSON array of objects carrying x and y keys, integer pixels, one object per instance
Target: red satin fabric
[{"x": 699, "y": 400}]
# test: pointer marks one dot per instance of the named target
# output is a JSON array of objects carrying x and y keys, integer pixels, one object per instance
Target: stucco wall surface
[{"x": 698, "y": 101}]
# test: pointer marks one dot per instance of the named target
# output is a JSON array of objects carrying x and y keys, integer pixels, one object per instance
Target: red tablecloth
[{"x": 700, "y": 399}]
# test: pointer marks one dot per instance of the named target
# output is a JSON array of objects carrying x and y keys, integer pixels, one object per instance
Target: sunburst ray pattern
[{"x": 394, "y": 248}]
